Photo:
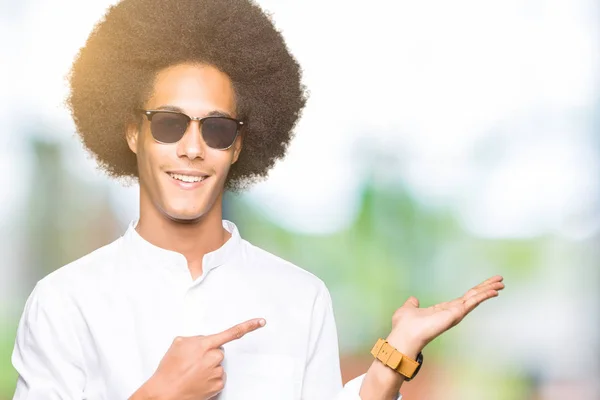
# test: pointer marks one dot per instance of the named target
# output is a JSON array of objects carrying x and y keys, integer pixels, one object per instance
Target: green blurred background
[{"x": 443, "y": 143}]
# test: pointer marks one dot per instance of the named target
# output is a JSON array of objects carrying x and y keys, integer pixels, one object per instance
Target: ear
[
  {"x": 132, "y": 135},
  {"x": 237, "y": 148}
]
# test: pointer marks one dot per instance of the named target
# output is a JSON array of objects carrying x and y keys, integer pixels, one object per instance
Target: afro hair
[{"x": 113, "y": 74}]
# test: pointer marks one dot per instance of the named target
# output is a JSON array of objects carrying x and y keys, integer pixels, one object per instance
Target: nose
[{"x": 192, "y": 144}]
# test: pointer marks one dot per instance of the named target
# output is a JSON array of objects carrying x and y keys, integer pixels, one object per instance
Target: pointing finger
[{"x": 235, "y": 332}]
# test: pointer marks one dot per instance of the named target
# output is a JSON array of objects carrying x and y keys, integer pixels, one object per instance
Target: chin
[{"x": 185, "y": 216}]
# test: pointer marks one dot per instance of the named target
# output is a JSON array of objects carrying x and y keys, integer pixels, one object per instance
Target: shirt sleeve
[
  {"x": 47, "y": 353},
  {"x": 322, "y": 378},
  {"x": 353, "y": 386}
]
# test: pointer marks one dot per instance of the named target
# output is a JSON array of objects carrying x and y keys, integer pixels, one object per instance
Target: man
[{"x": 192, "y": 98}]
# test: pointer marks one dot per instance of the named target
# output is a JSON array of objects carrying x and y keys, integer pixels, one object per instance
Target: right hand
[{"x": 191, "y": 368}]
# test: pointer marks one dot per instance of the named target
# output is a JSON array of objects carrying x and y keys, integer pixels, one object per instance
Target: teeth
[{"x": 187, "y": 178}]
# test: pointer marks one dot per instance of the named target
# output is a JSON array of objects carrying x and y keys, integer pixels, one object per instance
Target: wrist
[
  {"x": 406, "y": 346},
  {"x": 150, "y": 391},
  {"x": 380, "y": 383},
  {"x": 386, "y": 377}
]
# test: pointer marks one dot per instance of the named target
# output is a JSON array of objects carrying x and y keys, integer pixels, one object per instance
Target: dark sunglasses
[{"x": 169, "y": 126}]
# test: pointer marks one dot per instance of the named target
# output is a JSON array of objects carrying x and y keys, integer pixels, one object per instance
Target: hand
[
  {"x": 413, "y": 327},
  {"x": 191, "y": 369}
]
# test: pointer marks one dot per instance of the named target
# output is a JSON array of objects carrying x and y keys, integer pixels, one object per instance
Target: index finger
[{"x": 235, "y": 332}]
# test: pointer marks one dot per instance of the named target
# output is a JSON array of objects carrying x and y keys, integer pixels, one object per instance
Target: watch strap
[{"x": 397, "y": 361}]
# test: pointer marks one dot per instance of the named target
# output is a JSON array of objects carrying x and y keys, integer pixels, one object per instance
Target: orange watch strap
[{"x": 391, "y": 357}]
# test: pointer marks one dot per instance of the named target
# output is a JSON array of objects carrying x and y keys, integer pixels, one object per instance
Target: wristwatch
[{"x": 397, "y": 361}]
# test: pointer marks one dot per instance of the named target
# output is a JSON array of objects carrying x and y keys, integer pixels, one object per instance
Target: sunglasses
[{"x": 169, "y": 127}]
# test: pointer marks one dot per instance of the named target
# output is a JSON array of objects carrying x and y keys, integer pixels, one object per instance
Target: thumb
[{"x": 412, "y": 302}]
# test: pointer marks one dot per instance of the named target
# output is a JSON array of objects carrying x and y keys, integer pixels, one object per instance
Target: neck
[{"x": 193, "y": 239}]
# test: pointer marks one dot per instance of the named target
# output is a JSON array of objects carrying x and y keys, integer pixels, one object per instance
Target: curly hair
[{"x": 113, "y": 75}]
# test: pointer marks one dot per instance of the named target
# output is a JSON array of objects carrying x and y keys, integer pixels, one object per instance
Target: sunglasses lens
[
  {"x": 168, "y": 127},
  {"x": 219, "y": 132}
]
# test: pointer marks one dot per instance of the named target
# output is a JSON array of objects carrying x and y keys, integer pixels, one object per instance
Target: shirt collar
[{"x": 148, "y": 253}]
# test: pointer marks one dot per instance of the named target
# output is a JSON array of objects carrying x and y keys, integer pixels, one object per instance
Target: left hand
[{"x": 413, "y": 327}]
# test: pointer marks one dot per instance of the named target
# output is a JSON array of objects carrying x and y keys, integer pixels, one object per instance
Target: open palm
[{"x": 413, "y": 327}]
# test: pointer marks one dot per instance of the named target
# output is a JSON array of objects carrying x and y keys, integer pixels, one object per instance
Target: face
[{"x": 169, "y": 173}]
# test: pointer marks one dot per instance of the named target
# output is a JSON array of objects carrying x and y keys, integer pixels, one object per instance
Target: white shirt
[{"x": 97, "y": 328}]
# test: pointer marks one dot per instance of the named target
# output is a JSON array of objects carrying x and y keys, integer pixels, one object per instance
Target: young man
[{"x": 192, "y": 98}]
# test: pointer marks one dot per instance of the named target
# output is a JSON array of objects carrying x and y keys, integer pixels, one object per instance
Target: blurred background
[{"x": 443, "y": 142}]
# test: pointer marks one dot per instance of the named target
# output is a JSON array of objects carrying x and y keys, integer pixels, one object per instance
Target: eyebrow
[{"x": 214, "y": 113}]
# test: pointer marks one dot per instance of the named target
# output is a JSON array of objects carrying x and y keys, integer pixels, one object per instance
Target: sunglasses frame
[{"x": 150, "y": 113}]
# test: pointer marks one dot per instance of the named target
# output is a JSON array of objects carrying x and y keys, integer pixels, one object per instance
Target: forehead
[{"x": 195, "y": 88}]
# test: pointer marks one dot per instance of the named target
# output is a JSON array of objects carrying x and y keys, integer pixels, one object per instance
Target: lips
[{"x": 187, "y": 178}]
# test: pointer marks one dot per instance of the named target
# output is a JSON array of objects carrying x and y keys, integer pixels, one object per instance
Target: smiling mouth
[{"x": 187, "y": 178}]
